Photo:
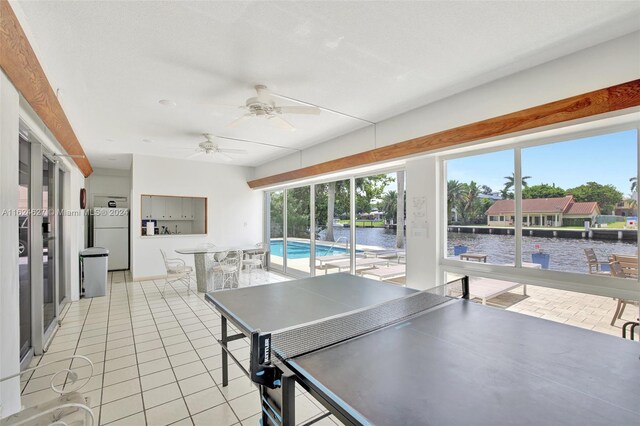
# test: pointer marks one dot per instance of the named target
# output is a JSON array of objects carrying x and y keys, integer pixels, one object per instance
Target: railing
[{"x": 346, "y": 244}]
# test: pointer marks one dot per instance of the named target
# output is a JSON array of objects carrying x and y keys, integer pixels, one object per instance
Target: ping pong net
[{"x": 315, "y": 335}]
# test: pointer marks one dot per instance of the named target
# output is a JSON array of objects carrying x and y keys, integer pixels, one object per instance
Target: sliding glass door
[
  {"x": 298, "y": 242},
  {"x": 24, "y": 230},
  {"x": 48, "y": 242},
  {"x": 275, "y": 227},
  {"x": 62, "y": 292}
]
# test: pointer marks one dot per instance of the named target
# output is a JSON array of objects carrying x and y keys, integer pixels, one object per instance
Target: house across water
[{"x": 556, "y": 212}]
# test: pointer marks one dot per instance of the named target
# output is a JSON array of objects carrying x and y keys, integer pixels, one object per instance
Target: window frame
[{"x": 569, "y": 281}]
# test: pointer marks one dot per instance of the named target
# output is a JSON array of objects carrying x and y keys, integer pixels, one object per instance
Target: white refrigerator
[{"x": 111, "y": 231}]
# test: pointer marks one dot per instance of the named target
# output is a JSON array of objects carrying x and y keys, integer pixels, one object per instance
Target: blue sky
[{"x": 608, "y": 159}]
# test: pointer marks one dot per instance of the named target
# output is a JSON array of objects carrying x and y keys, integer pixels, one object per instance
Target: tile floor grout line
[
  {"x": 40, "y": 360},
  {"x": 135, "y": 350},
  {"x": 164, "y": 347},
  {"x": 194, "y": 350},
  {"x": 105, "y": 345},
  {"x": 79, "y": 336},
  {"x": 200, "y": 358}
]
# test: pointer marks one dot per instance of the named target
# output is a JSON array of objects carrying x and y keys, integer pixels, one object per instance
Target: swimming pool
[{"x": 301, "y": 250}]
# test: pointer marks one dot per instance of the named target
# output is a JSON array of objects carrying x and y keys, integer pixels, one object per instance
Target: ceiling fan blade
[
  {"x": 232, "y": 151},
  {"x": 195, "y": 154},
  {"x": 224, "y": 156},
  {"x": 281, "y": 122},
  {"x": 239, "y": 120},
  {"x": 298, "y": 110}
]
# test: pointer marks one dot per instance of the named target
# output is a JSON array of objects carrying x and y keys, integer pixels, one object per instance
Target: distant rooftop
[{"x": 565, "y": 205}]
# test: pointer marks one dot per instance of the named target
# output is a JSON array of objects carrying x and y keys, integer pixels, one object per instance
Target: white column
[
  {"x": 426, "y": 222},
  {"x": 10, "y": 282}
]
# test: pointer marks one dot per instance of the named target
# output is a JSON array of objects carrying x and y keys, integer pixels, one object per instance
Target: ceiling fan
[
  {"x": 264, "y": 105},
  {"x": 210, "y": 147}
]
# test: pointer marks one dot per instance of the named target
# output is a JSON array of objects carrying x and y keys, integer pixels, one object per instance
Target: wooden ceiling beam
[
  {"x": 614, "y": 98},
  {"x": 20, "y": 64}
]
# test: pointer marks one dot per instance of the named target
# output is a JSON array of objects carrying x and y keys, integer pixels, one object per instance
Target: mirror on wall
[{"x": 171, "y": 215}]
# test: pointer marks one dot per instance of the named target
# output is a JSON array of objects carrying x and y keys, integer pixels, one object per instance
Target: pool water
[{"x": 300, "y": 250}]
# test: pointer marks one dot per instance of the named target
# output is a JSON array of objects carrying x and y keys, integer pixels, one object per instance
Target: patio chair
[
  {"x": 177, "y": 270},
  {"x": 229, "y": 269},
  {"x": 618, "y": 272},
  {"x": 629, "y": 264},
  {"x": 595, "y": 266},
  {"x": 255, "y": 260}
]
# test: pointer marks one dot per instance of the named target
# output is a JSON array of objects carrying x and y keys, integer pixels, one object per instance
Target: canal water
[{"x": 565, "y": 254}]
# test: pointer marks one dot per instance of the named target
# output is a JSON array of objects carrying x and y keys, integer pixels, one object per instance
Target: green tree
[
  {"x": 389, "y": 205},
  {"x": 275, "y": 211},
  {"x": 607, "y": 196},
  {"x": 543, "y": 190},
  {"x": 370, "y": 188},
  {"x": 634, "y": 183},
  {"x": 400, "y": 210},
  {"x": 454, "y": 193},
  {"x": 486, "y": 190},
  {"x": 510, "y": 182}
]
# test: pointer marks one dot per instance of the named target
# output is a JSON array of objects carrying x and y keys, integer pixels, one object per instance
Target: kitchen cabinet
[
  {"x": 146, "y": 207},
  {"x": 161, "y": 209},
  {"x": 158, "y": 208},
  {"x": 173, "y": 208},
  {"x": 187, "y": 208}
]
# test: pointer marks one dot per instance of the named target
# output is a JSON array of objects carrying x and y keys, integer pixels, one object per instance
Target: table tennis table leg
[
  {"x": 279, "y": 405},
  {"x": 225, "y": 358}
]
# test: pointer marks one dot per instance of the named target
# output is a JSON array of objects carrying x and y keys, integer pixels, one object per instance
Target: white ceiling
[{"x": 113, "y": 62}]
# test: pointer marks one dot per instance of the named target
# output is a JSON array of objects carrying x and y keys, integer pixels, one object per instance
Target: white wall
[
  {"x": 109, "y": 182},
  {"x": 74, "y": 240},
  {"x": 604, "y": 65},
  {"x": 10, "y": 283},
  {"x": 423, "y": 236},
  {"x": 234, "y": 211}
]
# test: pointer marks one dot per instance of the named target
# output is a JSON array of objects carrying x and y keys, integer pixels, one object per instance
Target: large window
[
  {"x": 580, "y": 196},
  {"x": 326, "y": 215},
  {"x": 480, "y": 208},
  {"x": 575, "y": 202}
]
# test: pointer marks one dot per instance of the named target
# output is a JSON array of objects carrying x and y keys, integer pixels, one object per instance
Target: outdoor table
[
  {"x": 202, "y": 263},
  {"x": 478, "y": 257}
]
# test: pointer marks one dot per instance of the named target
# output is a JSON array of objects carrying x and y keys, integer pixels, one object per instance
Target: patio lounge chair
[
  {"x": 595, "y": 266},
  {"x": 488, "y": 288},
  {"x": 618, "y": 272},
  {"x": 386, "y": 273}
]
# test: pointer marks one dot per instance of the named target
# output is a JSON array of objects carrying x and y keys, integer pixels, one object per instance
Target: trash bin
[{"x": 94, "y": 263}]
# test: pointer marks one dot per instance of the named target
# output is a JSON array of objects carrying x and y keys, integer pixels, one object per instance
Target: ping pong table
[{"x": 375, "y": 353}]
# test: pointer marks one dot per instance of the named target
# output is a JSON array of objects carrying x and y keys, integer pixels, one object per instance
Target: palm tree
[
  {"x": 400, "y": 210},
  {"x": 468, "y": 199},
  {"x": 634, "y": 183},
  {"x": 454, "y": 192},
  {"x": 511, "y": 181},
  {"x": 389, "y": 205}
]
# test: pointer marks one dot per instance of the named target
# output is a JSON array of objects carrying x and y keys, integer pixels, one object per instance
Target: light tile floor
[{"x": 156, "y": 361}]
